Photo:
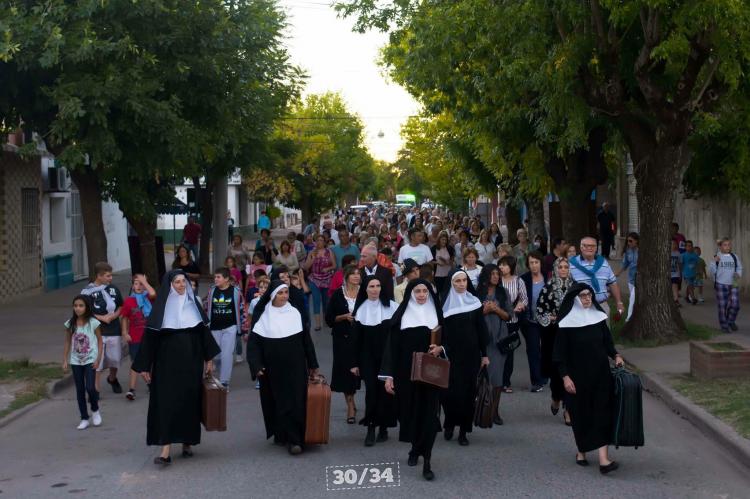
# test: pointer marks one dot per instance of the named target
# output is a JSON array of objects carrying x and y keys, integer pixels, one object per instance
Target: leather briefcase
[
  {"x": 318, "y": 417},
  {"x": 426, "y": 368},
  {"x": 483, "y": 408},
  {"x": 214, "y": 415}
]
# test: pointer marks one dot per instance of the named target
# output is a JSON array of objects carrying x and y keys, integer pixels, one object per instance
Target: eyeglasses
[
  {"x": 585, "y": 294},
  {"x": 588, "y": 246}
]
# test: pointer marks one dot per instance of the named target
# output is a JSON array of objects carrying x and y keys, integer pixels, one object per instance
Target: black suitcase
[{"x": 627, "y": 428}]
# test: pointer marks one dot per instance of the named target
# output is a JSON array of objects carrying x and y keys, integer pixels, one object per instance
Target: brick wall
[
  {"x": 20, "y": 247},
  {"x": 707, "y": 363}
]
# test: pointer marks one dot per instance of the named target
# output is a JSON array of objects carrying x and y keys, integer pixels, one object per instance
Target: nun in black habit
[
  {"x": 281, "y": 355},
  {"x": 296, "y": 295},
  {"x": 465, "y": 336},
  {"x": 418, "y": 403},
  {"x": 175, "y": 353},
  {"x": 340, "y": 318},
  {"x": 582, "y": 347},
  {"x": 372, "y": 319}
]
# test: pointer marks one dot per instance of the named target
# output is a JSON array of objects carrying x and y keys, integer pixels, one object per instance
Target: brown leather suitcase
[
  {"x": 318, "y": 418},
  {"x": 214, "y": 415},
  {"x": 428, "y": 369}
]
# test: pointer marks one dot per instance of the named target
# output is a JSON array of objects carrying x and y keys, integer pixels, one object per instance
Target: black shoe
[
  {"x": 537, "y": 388},
  {"x": 413, "y": 459},
  {"x": 462, "y": 440},
  {"x": 131, "y": 394},
  {"x": 448, "y": 433},
  {"x": 370, "y": 438},
  {"x": 163, "y": 461},
  {"x": 733, "y": 326},
  {"x": 610, "y": 467},
  {"x": 582, "y": 462},
  {"x": 295, "y": 450},
  {"x": 427, "y": 471},
  {"x": 115, "y": 385},
  {"x": 554, "y": 409},
  {"x": 496, "y": 419},
  {"x": 187, "y": 452},
  {"x": 382, "y": 435}
]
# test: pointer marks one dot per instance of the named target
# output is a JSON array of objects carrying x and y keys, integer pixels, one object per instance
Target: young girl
[
  {"x": 262, "y": 285},
  {"x": 700, "y": 274},
  {"x": 83, "y": 353},
  {"x": 135, "y": 310},
  {"x": 231, "y": 264},
  {"x": 258, "y": 264}
]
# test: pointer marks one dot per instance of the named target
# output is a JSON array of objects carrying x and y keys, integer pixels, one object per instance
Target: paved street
[{"x": 531, "y": 456}]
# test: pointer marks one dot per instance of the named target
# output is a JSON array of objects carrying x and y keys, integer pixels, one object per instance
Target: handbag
[
  {"x": 509, "y": 343},
  {"x": 483, "y": 400},
  {"x": 428, "y": 369}
]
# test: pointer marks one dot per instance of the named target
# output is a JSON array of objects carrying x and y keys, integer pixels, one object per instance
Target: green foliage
[
  {"x": 318, "y": 155},
  {"x": 149, "y": 91}
]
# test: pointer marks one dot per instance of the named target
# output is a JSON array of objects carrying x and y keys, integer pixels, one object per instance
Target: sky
[{"x": 340, "y": 60}]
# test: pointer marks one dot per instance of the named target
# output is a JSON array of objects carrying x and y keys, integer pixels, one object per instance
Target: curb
[
  {"x": 708, "y": 424},
  {"x": 53, "y": 388}
]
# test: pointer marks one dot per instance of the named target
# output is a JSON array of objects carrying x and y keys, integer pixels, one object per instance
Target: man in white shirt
[{"x": 415, "y": 250}]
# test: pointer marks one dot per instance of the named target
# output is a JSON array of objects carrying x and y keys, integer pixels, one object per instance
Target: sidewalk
[{"x": 33, "y": 325}]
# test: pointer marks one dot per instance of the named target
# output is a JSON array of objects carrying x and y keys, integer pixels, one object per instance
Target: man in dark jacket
[{"x": 370, "y": 260}]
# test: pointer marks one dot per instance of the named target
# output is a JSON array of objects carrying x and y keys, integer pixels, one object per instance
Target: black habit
[
  {"x": 344, "y": 339},
  {"x": 465, "y": 339},
  {"x": 582, "y": 353},
  {"x": 175, "y": 358},
  {"x": 385, "y": 276},
  {"x": 418, "y": 403},
  {"x": 283, "y": 385}
]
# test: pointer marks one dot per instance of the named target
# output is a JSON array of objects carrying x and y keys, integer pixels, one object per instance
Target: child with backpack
[
  {"x": 83, "y": 353},
  {"x": 726, "y": 269},
  {"x": 133, "y": 314}
]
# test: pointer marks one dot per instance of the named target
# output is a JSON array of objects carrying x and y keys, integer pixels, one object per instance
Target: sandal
[
  {"x": 351, "y": 420},
  {"x": 507, "y": 389}
]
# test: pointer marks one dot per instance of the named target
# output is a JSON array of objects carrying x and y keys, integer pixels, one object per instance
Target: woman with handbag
[
  {"x": 547, "y": 309},
  {"x": 583, "y": 347},
  {"x": 340, "y": 318},
  {"x": 496, "y": 309},
  {"x": 372, "y": 319},
  {"x": 516, "y": 291},
  {"x": 281, "y": 355},
  {"x": 412, "y": 330},
  {"x": 465, "y": 336}
]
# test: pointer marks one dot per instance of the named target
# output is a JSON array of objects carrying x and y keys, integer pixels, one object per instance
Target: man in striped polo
[{"x": 595, "y": 271}]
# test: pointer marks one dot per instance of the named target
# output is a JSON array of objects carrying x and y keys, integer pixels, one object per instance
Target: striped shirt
[
  {"x": 604, "y": 275},
  {"x": 516, "y": 290}
]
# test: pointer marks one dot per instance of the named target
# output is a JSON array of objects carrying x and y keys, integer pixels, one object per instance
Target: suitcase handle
[{"x": 320, "y": 380}]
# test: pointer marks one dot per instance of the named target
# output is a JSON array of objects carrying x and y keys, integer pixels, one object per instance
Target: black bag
[
  {"x": 627, "y": 427},
  {"x": 483, "y": 400},
  {"x": 509, "y": 343}
]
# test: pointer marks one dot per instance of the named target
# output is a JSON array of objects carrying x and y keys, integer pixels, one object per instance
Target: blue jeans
[
  {"x": 84, "y": 377},
  {"x": 532, "y": 334},
  {"x": 319, "y": 296}
]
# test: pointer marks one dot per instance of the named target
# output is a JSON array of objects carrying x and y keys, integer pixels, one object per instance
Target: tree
[
  {"x": 319, "y": 155},
  {"x": 149, "y": 92},
  {"x": 652, "y": 72}
]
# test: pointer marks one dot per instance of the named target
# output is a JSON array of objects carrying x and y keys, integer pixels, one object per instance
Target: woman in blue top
[{"x": 630, "y": 262}]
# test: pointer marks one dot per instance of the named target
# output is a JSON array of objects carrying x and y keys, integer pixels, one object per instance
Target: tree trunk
[
  {"x": 658, "y": 171},
  {"x": 146, "y": 229},
  {"x": 574, "y": 202},
  {"x": 87, "y": 182},
  {"x": 204, "y": 198},
  {"x": 535, "y": 208},
  {"x": 306, "y": 207},
  {"x": 513, "y": 221}
]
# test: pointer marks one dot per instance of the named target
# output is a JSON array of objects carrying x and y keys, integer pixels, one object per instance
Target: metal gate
[
  {"x": 76, "y": 235},
  {"x": 30, "y": 234}
]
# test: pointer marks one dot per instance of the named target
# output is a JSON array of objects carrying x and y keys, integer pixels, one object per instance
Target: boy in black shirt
[
  {"x": 225, "y": 308},
  {"x": 107, "y": 301}
]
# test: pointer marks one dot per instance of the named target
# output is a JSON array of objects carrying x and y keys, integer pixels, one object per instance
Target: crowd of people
[{"x": 384, "y": 281}]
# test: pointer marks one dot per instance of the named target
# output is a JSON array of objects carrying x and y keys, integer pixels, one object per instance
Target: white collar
[
  {"x": 278, "y": 322},
  {"x": 181, "y": 310},
  {"x": 458, "y": 303},
  {"x": 371, "y": 272},
  {"x": 581, "y": 317},
  {"x": 417, "y": 315},
  {"x": 373, "y": 312}
]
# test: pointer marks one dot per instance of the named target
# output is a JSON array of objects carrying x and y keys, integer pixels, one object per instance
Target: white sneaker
[
  {"x": 83, "y": 424},
  {"x": 97, "y": 417},
  {"x": 237, "y": 359}
]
